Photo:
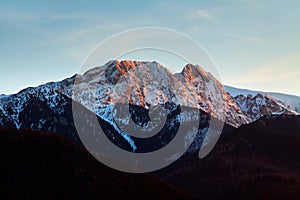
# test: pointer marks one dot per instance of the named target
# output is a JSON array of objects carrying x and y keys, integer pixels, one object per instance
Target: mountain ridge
[
  {"x": 145, "y": 84},
  {"x": 291, "y": 100}
]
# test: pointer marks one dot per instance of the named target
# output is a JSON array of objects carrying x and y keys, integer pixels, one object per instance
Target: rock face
[
  {"x": 262, "y": 105},
  {"x": 148, "y": 84},
  {"x": 291, "y": 102},
  {"x": 141, "y": 85},
  {"x": 42, "y": 108}
]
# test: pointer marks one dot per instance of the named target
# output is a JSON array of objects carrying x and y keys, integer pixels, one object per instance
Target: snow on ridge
[
  {"x": 262, "y": 105},
  {"x": 138, "y": 82},
  {"x": 145, "y": 84},
  {"x": 291, "y": 102},
  {"x": 237, "y": 91}
]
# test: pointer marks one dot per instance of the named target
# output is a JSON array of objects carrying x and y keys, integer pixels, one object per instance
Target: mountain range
[{"x": 143, "y": 86}]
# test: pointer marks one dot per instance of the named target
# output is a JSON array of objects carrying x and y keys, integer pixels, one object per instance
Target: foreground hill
[
  {"x": 257, "y": 161},
  {"x": 46, "y": 166}
]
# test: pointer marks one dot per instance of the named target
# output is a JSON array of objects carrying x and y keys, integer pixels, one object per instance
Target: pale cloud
[
  {"x": 30, "y": 16},
  {"x": 92, "y": 31},
  {"x": 253, "y": 39},
  {"x": 83, "y": 40},
  {"x": 79, "y": 16},
  {"x": 201, "y": 14},
  {"x": 72, "y": 16}
]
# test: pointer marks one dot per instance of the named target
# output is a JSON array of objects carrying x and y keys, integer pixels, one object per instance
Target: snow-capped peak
[
  {"x": 148, "y": 84},
  {"x": 144, "y": 84},
  {"x": 137, "y": 83}
]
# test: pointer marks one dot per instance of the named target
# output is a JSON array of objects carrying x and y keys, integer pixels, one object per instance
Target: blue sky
[{"x": 255, "y": 44}]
